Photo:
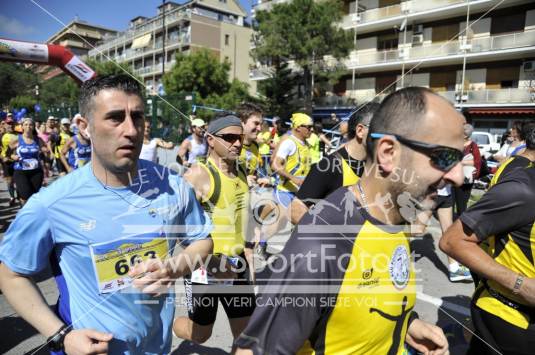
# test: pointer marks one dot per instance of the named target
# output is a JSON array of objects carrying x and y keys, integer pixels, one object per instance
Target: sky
[{"x": 25, "y": 20}]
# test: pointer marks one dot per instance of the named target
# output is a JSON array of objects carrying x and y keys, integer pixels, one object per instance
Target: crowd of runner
[{"x": 118, "y": 228}]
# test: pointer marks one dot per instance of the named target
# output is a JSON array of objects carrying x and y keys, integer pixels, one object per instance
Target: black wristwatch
[{"x": 55, "y": 342}]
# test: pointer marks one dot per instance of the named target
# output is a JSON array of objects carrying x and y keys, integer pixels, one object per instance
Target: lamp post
[{"x": 464, "y": 46}]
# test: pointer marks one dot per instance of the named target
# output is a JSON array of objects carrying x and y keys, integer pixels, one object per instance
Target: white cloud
[{"x": 14, "y": 27}]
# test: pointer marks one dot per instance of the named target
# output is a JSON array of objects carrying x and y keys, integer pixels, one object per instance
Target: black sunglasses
[
  {"x": 443, "y": 158},
  {"x": 230, "y": 137}
]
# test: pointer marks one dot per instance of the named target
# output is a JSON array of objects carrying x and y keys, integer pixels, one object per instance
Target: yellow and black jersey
[
  {"x": 508, "y": 166},
  {"x": 227, "y": 204},
  {"x": 250, "y": 158},
  {"x": 330, "y": 173},
  {"x": 344, "y": 284},
  {"x": 505, "y": 217}
]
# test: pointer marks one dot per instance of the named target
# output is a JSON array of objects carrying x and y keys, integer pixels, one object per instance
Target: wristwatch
[
  {"x": 518, "y": 284},
  {"x": 55, "y": 342}
]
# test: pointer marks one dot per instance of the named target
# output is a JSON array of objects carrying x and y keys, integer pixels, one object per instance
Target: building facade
[
  {"x": 487, "y": 70},
  {"x": 149, "y": 45}
]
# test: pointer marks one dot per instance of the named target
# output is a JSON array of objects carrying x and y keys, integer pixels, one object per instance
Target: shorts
[
  {"x": 60, "y": 166},
  {"x": 202, "y": 300},
  {"x": 283, "y": 198},
  {"x": 444, "y": 202},
  {"x": 7, "y": 169},
  {"x": 501, "y": 335},
  {"x": 28, "y": 182}
]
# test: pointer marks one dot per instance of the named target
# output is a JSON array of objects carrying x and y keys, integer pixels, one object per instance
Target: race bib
[
  {"x": 202, "y": 276},
  {"x": 30, "y": 164},
  {"x": 112, "y": 260}
]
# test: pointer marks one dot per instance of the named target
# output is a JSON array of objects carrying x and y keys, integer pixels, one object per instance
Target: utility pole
[
  {"x": 163, "y": 39},
  {"x": 464, "y": 46}
]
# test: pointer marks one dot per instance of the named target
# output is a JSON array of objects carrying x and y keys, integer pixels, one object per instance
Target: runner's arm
[
  {"x": 63, "y": 154},
  {"x": 199, "y": 180},
  {"x": 25, "y": 298},
  {"x": 489, "y": 217},
  {"x": 165, "y": 145},
  {"x": 183, "y": 151}
]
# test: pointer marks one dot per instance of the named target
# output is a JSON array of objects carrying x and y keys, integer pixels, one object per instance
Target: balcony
[
  {"x": 415, "y": 10},
  {"x": 500, "y": 46},
  {"x": 129, "y": 35},
  {"x": 154, "y": 69},
  {"x": 492, "y": 97}
]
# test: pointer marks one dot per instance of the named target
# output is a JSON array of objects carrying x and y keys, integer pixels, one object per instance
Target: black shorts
[
  {"x": 501, "y": 335},
  {"x": 202, "y": 301},
  {"x": 444, "y": 202},
  {"x": 28, "y": 182},
  {"x": 7, "y": 169}
]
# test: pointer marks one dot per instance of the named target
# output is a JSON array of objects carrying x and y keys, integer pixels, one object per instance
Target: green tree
[
  {"x": 279, "y": 90},
  {"x": 15, "y": 80},
  {"x": 303, "y": 31},
  {"x": 202, "y": 74},
  {"x": 23, "y": 101}
]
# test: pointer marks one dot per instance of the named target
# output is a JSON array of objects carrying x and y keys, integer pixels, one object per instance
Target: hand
[
  {"x": 152, "y": 276},
  {"x": 86, "y": 341},
  {"x": 527, "y": 290},
  {"x": 223, "y": 268},
  {"x": 427, "y": 338},
  {"x": 297, "y": 180},
  {"x": 263, "y": 181},
  {"x": 251, "y": 179}
]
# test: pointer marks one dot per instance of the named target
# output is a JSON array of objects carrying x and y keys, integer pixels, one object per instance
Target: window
[
  {"x": 509, "y": 84},
  {"x": 227, "y": 40}
]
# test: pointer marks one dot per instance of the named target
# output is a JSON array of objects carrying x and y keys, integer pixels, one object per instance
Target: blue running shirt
[{"x": 91, "y": 233}]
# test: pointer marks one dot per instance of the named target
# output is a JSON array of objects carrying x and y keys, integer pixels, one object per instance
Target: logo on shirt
[
  {"x": 90, "y": 225},
  {"x": 399, "y": 267}
]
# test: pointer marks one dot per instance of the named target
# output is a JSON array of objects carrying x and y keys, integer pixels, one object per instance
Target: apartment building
[
  {"x": 487, "y": 70},
  {"x": 79, "y": 37},
  {"x": 150, "y": 44}
]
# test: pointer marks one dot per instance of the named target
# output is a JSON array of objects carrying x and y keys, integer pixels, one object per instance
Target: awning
[
  {"x": 142, "y": 41},
  {"x": 503, "y": 111}
]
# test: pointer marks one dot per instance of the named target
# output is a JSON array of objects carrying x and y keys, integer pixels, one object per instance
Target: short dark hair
[
  {"x": 399, "y": 113},
  {"x": 92, "y": 87},
  {"x": 362, "y": 115},
  {"x": 246, "y": 109},
  {"x": 528, "y": 131}
]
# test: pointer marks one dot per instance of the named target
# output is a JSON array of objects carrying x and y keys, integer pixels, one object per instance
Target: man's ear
[{"x": 386, "y": 153}]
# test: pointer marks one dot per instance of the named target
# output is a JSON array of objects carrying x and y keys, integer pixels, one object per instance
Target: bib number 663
[{"x": 123, "y": 266}]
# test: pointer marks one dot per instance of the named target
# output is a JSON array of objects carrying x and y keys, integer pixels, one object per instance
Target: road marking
[{"x": 465, "y": 311}]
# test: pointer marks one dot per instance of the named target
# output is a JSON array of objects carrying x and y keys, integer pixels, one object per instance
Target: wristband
[{"x": 55, "y": 342}]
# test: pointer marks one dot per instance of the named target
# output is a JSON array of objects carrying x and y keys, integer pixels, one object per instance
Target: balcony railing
[
  {"x": 154, "y": 69},
  {"x": 408, "y": 7},
  {"x": 437, "y": 50},
  {"x": 132, "y": 33},
  {"x": 491, "y": 96}
]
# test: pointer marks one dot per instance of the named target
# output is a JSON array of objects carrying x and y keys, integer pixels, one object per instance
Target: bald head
[{"x": 414, "y": 112}]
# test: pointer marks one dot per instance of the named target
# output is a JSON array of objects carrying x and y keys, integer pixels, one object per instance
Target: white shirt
[
  {"x": 149, "y": 151},
  {"x": 287, "y": 148}
]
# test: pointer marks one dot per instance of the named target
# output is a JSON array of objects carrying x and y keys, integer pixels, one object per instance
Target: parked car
[{"x": 488, "y": 143}]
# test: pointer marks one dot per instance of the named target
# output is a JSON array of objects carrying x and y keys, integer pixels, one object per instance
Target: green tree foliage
[
  {"x": 279, "y": 90},
  {"x": 23, "y": 101},
  {"x": 304, "y": 31},
  {"x": 15, "y": 80},
  {"x": 202, "y": 74}
]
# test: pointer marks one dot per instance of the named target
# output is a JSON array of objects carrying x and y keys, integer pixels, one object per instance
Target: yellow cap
[
  {"x": 198, "y": 122},
  {"x": 301, "y": 119}
]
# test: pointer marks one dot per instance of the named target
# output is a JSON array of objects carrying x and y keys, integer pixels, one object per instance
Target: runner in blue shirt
[{"x": 105, "y": 228}]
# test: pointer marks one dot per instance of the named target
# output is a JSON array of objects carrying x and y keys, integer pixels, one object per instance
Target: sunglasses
[
  {"x": 443, "y": 158},
  {"x": 230, "y": 137}
]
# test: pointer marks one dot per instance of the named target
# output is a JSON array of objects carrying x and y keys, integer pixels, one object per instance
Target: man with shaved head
[{"x": 349, "y": 258}]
